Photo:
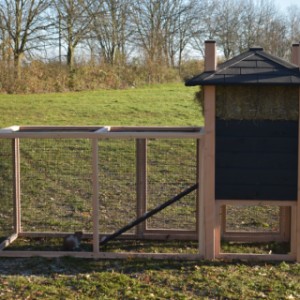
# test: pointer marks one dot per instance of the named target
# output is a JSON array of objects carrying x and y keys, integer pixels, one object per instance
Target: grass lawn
[
  {"x": 170, "y": 104},
  {"x": 67, "y": 278}
]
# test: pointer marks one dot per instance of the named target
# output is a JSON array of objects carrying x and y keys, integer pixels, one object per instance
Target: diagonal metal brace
[{"x": 148, "y": 214}]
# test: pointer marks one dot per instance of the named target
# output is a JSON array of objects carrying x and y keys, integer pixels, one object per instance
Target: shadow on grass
[{"x": 71, "y": 266}]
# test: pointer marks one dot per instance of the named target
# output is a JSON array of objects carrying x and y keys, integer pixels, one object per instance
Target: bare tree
[
  {"x": 162, "y": 30},
  {"x": 25, "y": 22},
  {"x": 204, "y": 26},
  {"x": 180, "y": 16},
  {"x": 147, "y": 19},
  {"x": 74, "y": 24},
  {"x": 293, "y": 24},
  {"x": 111, "y": 29}
]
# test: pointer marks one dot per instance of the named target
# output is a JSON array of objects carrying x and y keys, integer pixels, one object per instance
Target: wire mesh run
[
  {"x": 117, "y": 184},
  {"x": 56, "y": 186},
  {"x": 259, "y": 218},
  {"x": 171, "y": 169},
  {"x": 6, "y": 188},
  {"x": 56, "y": 182},
  {"x": 256, "y": 229}
]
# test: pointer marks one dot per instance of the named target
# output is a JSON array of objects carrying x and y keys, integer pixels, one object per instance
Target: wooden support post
[
  {"x": 209, "y": 169},
  {"x": 200, "y": 196},
  {"x": 285, "y": 223},
  {"x": 141, "y": 183},
  {"x": 297, "y": 237},
  {"x": 95, "y": 181},
  {"x": 17, "y": 185}
]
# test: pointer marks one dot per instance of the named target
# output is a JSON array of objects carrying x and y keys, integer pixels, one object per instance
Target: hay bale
[{"x": 245, "y": 102}]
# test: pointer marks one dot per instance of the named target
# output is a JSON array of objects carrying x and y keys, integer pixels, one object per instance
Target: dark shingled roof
[{"x": 254, "y": 67}]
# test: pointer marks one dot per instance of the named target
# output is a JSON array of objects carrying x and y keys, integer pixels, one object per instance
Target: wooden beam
[
  {"x": 200, "y": 227},
  {"x": 102, "y": 255},
  {"x": 209, "y": 170},
  {"x": 141, "y": 182},
  {"x": 16, "y": 185},
  {"x": 95, "y": 180},
  {"x": 257, "y": 203},
  {"x": 257, "y": 257},
  {"x": 70, "y": 134},
  {"x": 297, "y": 234},
  {"x": 155, "y": 234}
]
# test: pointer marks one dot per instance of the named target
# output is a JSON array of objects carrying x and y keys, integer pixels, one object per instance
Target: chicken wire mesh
[
  {"x": 6, "y": 189},
  {"x": 117, "y": 183},
  {"x": 56, "y": 187},
  {"x": 254, "y": 218},
  {"x": 256, "y": 221},
  {"x": 171, "y": 169}
]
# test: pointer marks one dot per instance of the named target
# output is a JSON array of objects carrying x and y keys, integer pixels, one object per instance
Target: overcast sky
[{"x": 286, "y": 3}]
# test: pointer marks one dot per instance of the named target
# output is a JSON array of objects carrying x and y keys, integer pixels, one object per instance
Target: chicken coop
[
  {"x": 130, "y": 191},
  {"x": 251, "y": 148},
  {"x": 228, "y": 190}
]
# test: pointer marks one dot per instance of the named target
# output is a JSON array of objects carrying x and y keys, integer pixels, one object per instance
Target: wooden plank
[
  {"x": 242, "y": 192},
  {"x": 102, "y": 255},
  {"x": 16, "y": 185},
  {"x": 39, "y": 234},
  {"x": 240, "y": 176},
  {"x": 240, "y": 202},
  {"x": 157, "y": 234},
  {"x": 257, "y": 128},
  {"x": 141, "y": 179},
  {"x": 154, "y": 129},
  {"x": 257, "y": 257},
  {"x": 285, "y": 223},
  {"x": 200, "y": 227},
  {"x": 296, "y": 219},
  {"x": 102, "y": 135},
  {"x": 256, "y": 160},
  {"x": 59, "y": 128},
  {"x": 252, "y": 237},
  {"x": 168, "y": 235},
  {"x": 257, "y": 144},
  {"x": 50, "y": 254},
  {"x": 209, "y": 169},
  {"x": 218, "y": 220},
  {"x": 95, "y": 180},
  {"x": 294, "y": 235}
]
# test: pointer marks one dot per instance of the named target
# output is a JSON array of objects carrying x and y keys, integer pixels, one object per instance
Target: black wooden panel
[
  {"x": 257, "y": 144},
  {"x": 248, "y": 128},
  {"x": 256, "y": 160},
  {"x": 257, "y": 177},
  {"x": 248, "y": 160},
  {"x": 253, "y": 192}
]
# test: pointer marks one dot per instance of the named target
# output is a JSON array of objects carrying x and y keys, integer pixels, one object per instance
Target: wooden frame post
[
  {"x": 17, "y": 185},
  {"x": 95, "y": 181},
  {"x": 141, "y": 183},
  {"x": 200, "y": 197},
  {"x": 297, "y": 237},
  {"x": 209, "y": 169}
]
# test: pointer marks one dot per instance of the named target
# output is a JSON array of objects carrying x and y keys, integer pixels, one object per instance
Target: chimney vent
[
  {"x": 210, "y": 64},
  {"x": 296, "y": 54}
]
